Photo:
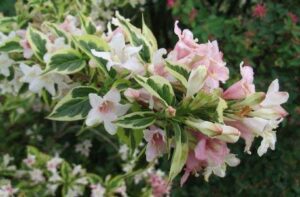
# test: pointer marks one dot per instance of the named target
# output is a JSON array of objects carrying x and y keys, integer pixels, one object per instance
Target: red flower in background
[
  {"x": 259, "y": 11},
  {"x": 193, "y": 14},
  {"x": 170, "y": 3},
  {"x": 293, "y": 17}
]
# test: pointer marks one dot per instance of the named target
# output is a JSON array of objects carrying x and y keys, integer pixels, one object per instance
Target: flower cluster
[{"x": 175, "y": 102}]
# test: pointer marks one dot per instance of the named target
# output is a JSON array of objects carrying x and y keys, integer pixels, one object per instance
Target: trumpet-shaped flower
[
  {"x": 106, "y": 109},
  {"x": 5, "y": 64},
  {"x": 156, "y": 142},
  {"x": 215, "y": 130},
  {"x": 37, "y": 81},
  {"x": 270, "y": 108},
  {"x": 209, "y": 154},
  {"x": 242, "y": 88},
  {"x": 188, "y": 52},
  {"x": 121, "y": 56}
]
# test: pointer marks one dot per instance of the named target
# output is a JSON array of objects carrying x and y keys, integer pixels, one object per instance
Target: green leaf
[
  {"x": 87, "y": 24},
  {"x": 12, "y": 45},
  {"x": 180, "y": 153},
  {"x": 74, "y": 106},
  {"x": 251, "y": 100},
  {"x": 37, "y": 41},
  {"x": 136, "y": 120},
  {"x": 66, "y": 61},
  {"x": 136, "y": 38},
  {"x": 88, "y": 42},
  {"x": 131, "y": 137},
  {"x": 179, "y": 72},
  {"x": 158, "y": 87},
  {"x": 149, "y": 36}
]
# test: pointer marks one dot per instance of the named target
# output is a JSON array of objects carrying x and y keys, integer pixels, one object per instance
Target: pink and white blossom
[
  {"x": 156, "y": 142},
  {"x": 242, "y": 88},
  {"x": 106, "y": 109},
  {"x": 121, "y": 56},
  {"x": 160, "y": 186}
]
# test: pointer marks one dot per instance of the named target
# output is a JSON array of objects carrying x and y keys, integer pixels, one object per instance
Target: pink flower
[
  {"x": 210, "y": 151},
  {"x": 209, "y": 154},
  {"x": 192, "y": 165},
  {"x": 170, "y": 3},
  {"x": 69, "y": 25},
  {"x": 193, "y": 14},
  {"x": 157, "y": 67},
  {"x": 246, "y": 134},
  {"x": 242, "y": 88},
  {"x": 160, "y": 186},
  {"x": 259, "y": 11},
  {"x": 156, "y": 145},
  {"x": 191, "y": 54},
  {"x": 27, "y": 51},
  {"x": 270, "y": 108},
  {"x": 293, "y": 17}
]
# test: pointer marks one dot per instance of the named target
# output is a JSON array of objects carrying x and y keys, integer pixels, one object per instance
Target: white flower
[
  {"x": 13, "y": 86},
  {"x": 5, "y": 64},
  {"x": 270, "y": 108},
  {"x": 7, "y": 190},
  {"x": 37, "y": 81},
  {"x": 69, "y": 25},
  {"x": 51, "y": 189},
  {"x": 121, "y": 55},
  {"x": 97, "y": 190},
  {"x": 36, "y": 176},
  {"x": 6, "y": 161},
  {"x": 30, "y": 160},
  {"x": 58, "y": 44},
  {"x": 84, "y": 148},
  {"x": 78, "y": 170},
  {"x": 220, "y": 170},
  {"x": 4, "y": 38},
  {"x": 265, "y": 129},
  {"x": 123, "y": 151},
  {"x": 106, "y": 109},
  {"x": 54, "y": 163}
]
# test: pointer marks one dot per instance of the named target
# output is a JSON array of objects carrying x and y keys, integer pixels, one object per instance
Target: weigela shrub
[{"x": 121, "y": 82}]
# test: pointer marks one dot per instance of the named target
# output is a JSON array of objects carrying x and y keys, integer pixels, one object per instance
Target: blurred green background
[{"x": 271, "y": 44}]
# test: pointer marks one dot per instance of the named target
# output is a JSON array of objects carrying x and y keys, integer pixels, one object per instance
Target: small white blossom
[
  {"x": 106, "y": 109},
  {"x": 7, "y": 190},
  {"x": 53, "y": 164},
  {"x": 5, "y": 64},
  {"x": 123, "y": 151},
  {"x": 97, "y": 190},
  {"x": 30, "y": 160},
  {"x": 36, "y": 176},
  {"x": 37, "y": 81},
  {"x": 52, "y": 47},
  {"x": 84, "y": 148},
  {"x": 121, "y": 55}
]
